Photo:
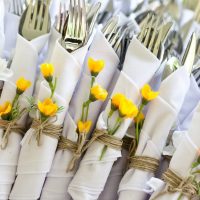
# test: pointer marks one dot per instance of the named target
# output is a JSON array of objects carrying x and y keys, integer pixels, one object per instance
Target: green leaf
[{"x": 195, "y": 164}]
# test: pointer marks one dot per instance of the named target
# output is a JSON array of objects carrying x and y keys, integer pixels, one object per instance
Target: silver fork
[
  {"x": 61, "y": 18},
  {"x": 35, "y": 20},
  {"x": 75, "y": 28},
  {"x": 17, "y": 7}
]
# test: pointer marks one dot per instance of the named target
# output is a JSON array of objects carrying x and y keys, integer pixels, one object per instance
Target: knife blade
[{"x": 189, "y": 55}]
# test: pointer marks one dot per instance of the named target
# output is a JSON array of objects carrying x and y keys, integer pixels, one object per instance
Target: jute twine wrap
[
  {"x": 9, "y": 127},
  {"x": 101, "y": 136},
  {"x": 66, "y": 144},
  {"x": 46, "y": 127},
  {"x": 144, "y": 163},
  {"x": 176, "y": 184}
]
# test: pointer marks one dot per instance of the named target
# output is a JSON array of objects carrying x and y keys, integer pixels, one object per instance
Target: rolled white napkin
[
  {"x": 35, "y": 161},
  {"x": 190, "y": 147},
  {"x": 26, "y": 68},
  {"x": 55, "y": 35},
  {"x": 188, "y": 108},
  {"x": 2, "y": 36},
  {"x": 67, "y": 70},
  {"x": 92, "y": 174},
  {"x": 161, "y": 116},
  {"x": 58, "y": 177},
  {"x": 11, "y": 31}
]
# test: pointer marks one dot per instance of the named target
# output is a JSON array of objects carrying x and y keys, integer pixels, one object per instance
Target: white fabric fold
[
  {"x": 2, "y": 35},
  {"x": 190, "y": 147},
  {"x": 191, "y": 100},
  {"x": 26, "y": 68},
  {"x": 63, "y": 157},
  {"x": 161, "y": 116},
  {"x": 129, "y": 83},
  {"x": 35, "y": 161},
  {"x": 11, "y": 31}
]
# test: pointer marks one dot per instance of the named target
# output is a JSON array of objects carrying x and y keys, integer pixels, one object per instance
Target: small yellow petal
[
  {"x": 116, "y": 100},
  {"x": 95, "y": 66},
  {"x": 47, "y": 70},
  {"x": 139, "y": 118},
  {"x": 84, "y": 127},
  {"x": 98, "y": 93},
  {"x": 148, "y": 94},
  {"x": 5, "y": 108},
  {"x": 47, "y": 107},
  {"x": 128, "y": 109},
  {"x": 22, "y": 84}
]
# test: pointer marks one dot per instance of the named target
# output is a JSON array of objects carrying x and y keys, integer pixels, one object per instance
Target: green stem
[
  {"x": 103, "y": 152},
  {"x": 116, "y": 126},
  {"x": 83, "y": 109},
  {"x": 87, "y": 109},
  {"x": 180, "y": 196},
  {"x": 109, "y": 116},
  {"x": 92, "y": 81},
  {"x": 53, "y": 87},
  {"x": 137, "y": 132},
  {"x": 15, "y": 100}
]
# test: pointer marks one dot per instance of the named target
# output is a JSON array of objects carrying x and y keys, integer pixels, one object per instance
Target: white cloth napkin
[
  {"x": 58, "y": 177},
  {"x": 2, "y": 36},
  {"x": 191, "y": 100},
  {"x": 35, "y": 161},
  {"x": 92, "y": 174},
  {"x": 161, "y": 115},
  {"x": 67, "y": 70},
  {"x": 26, "y": 68},
  {"x": 190, "y": 147},
  {"x": 11, "y": 30}
]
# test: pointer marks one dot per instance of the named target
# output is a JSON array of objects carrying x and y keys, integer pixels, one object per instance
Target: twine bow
[
  {"x": 46, "y": 127},
  {"x": 101, "y": 136},
  {"x": 144, "y": 163},
  {"x": 177, "y": 184},
  {"x": 9, "y": 127}
]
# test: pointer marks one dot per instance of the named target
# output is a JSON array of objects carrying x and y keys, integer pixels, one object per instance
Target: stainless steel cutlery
[{"x": 35, "y": 21}]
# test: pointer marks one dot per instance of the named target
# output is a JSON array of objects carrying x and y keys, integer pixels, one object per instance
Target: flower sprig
[
  {"x": 47, "y": 71},
  {"x": 125, "y": 109},
  {"x": 147, "y": 95},
  {"x": 11, "y": 110},
  {"x": 97, "y": 93}
]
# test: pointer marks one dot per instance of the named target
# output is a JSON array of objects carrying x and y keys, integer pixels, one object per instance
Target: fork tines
[
  {"x": 75, "y": 28},
  {"x": 150, "y": 35}
]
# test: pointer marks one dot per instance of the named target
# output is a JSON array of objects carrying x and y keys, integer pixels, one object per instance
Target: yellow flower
[
  {"x": 139, "y": 118},
  {"x": 148, "y": 94},
  {"x": 98, "y": 93},
  {"x": 84, "y": 127},
  {"x": 128, "y": 109},
  {"x": 47, "y": 107},
  {"x": 47, "y": 71},
  {"x": 116, "y": 100},
  {"x": 95, "y": 66},
  {"x": 22, "y": 85},
  {"x": 5, "y": 109}
]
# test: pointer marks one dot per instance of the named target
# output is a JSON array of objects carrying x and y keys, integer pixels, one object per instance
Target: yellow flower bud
[
  {"x": 47, "y": 107},
  {"x": 116, "y": 100},
  {"x": 148, "y": 94},
  {"x": 95, "y": 66},
  {"x": 84, "y": 127},
  {"x": 5, "y": 109},
  {"x": 128, "y": 109},
  {"x": 98, "y": 93},
  {"x": 22, "y": 85},
  {"x": 139, "y": 118},
  {"x": 47, "y": 71}
]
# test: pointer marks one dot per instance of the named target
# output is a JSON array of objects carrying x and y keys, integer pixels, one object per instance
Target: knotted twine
[
  {"x": 176, "y": 184},
  {"x": 144, "y": 163},
  {"x": 101, "y": 136},
  {"x": 11, "y": 126},
  {"x": 46, "y": 127}
]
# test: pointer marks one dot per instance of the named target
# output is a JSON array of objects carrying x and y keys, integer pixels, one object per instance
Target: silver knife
[
  {"x": 166, "y": 30},
  {"x": 189, "y": 55}
]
